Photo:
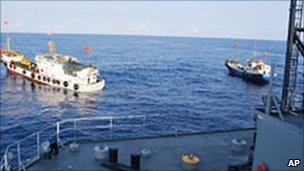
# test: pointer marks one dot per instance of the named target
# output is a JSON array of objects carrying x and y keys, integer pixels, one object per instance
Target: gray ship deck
[{"x": 214, "y": 150}]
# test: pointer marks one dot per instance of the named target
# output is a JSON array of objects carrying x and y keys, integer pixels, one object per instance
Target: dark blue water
[{"x": 180, "y": 77}]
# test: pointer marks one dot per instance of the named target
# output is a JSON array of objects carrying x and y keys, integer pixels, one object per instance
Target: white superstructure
[{"x": 54, "y": 69}]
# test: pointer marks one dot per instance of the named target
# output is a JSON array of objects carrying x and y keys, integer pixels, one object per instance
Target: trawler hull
[
  {"x": 46, "y": 80},
  {"x": 233, "y": 71},
  {"x": 255, "y": 78}
]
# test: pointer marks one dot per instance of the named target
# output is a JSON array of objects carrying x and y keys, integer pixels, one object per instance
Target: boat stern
[{"x": 93, "y": 87}]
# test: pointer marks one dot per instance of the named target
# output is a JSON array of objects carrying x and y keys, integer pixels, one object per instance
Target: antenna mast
[{"x": 293, "y": 86}]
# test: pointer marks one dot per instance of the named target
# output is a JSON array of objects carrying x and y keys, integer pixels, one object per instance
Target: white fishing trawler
[{"x": 54, "y": 69}]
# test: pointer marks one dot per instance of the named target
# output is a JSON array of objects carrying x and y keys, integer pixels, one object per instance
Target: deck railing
[
  {"x": 23, "y": 153},
  {"x": 14, "y": 154}
]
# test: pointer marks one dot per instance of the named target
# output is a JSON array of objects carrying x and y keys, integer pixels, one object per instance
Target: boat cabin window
[{"x": 94, "y": 77}]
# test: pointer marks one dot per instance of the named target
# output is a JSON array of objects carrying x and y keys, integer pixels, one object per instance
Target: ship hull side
[
  {"x": 39, "y": 78},
  {"x": 233, "y": 71},
  {"x": 258, "y": 79}
]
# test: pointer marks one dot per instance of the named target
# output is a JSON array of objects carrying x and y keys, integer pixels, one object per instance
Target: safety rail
[
  {"x": 23, "y": 153},
  {"x": 9, "y": 162}
]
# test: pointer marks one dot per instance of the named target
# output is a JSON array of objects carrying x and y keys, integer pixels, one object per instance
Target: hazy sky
[{"x": 237, "y": 19}]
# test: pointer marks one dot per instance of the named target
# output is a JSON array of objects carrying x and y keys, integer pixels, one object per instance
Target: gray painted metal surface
[
  {"x": 213, "y": 149},
  {"x": 278, "y": 141}
]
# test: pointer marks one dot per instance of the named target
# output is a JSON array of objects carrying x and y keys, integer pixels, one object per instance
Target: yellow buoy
[{"x": 190, "y": 159}]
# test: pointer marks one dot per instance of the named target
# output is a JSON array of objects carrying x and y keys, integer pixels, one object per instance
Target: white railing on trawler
[{"x": 19, "y": 156}]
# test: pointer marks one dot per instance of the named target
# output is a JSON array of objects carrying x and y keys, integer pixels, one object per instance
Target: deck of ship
[{"x": 214, "y": 150}]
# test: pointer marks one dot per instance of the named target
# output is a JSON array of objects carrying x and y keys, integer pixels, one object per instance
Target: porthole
[
  {"x": 39, "y": 77},
  {"x": 54, "y": 81},
  {"x": 33, "y": 75},
  {"x": 76, "y": 87},
  {"x": 24, "y": 72},
  {"x": 48, "y": 79},
  {"x": 44, "y": 79},
  {"x": 65, "y": 83}
]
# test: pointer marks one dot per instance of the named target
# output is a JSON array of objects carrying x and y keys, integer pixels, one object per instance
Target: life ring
[
  {"x": 76, "y": 86},
  {"x": 65, "y": 83},
  {"x": 32, "y": 75},
  {"x": 262, "y": 167}
]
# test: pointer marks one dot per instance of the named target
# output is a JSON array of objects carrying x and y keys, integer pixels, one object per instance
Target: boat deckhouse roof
[{"x": 74, "y": 66}]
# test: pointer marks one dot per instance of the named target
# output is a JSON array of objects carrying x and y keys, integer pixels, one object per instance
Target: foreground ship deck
[{"x": 214, "y": 150}]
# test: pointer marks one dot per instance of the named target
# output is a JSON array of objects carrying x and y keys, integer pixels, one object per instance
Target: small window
[{"x": 65, "y": 83}]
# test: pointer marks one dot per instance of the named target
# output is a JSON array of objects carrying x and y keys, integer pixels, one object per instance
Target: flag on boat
[
  {"x": 236, "y": 46},
  {"x": 87, "y": 49}
]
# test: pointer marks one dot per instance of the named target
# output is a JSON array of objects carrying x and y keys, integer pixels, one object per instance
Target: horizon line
[{"x": 143, "y": 35}]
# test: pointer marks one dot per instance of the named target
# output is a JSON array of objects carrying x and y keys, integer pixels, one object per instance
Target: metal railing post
[
  {"x": 111, "y": 123},
  {"x": 6, "y": 166},
  {"x": 269, "y": 97},
  {"x": 144, "y": 126},
  {"x": 74, "y": 129},
  {"x": 19, "y": 156},
  {"x": 58, "y": 133},
  {"x": 38, "y": 145},
  {"x": 111, "y": 126}
]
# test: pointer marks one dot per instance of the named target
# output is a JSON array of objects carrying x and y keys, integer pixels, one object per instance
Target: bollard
[
  {"x": 135, "y": 161},
  {"x": 113, "y": 155}
]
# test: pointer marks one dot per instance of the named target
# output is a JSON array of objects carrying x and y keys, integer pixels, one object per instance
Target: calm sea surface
[{"x": 180, "y": 78}]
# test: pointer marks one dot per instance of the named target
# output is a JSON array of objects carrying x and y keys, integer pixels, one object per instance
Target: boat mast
[
  {"x": 235, "y": 46},
  {"x": 52, "y": 48},
  {"x": 8, "y": 46},
  {"x": 254, "y": 53}
]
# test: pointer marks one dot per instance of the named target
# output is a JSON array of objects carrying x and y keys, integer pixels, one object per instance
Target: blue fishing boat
[{"x": 255, "y": 71}]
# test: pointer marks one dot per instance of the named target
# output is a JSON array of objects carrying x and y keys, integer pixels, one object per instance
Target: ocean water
[{"x": 180, "y": 78}]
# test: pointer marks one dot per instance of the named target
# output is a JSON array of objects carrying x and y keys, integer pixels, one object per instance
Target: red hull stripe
[{"x": 12, "y": 72}]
